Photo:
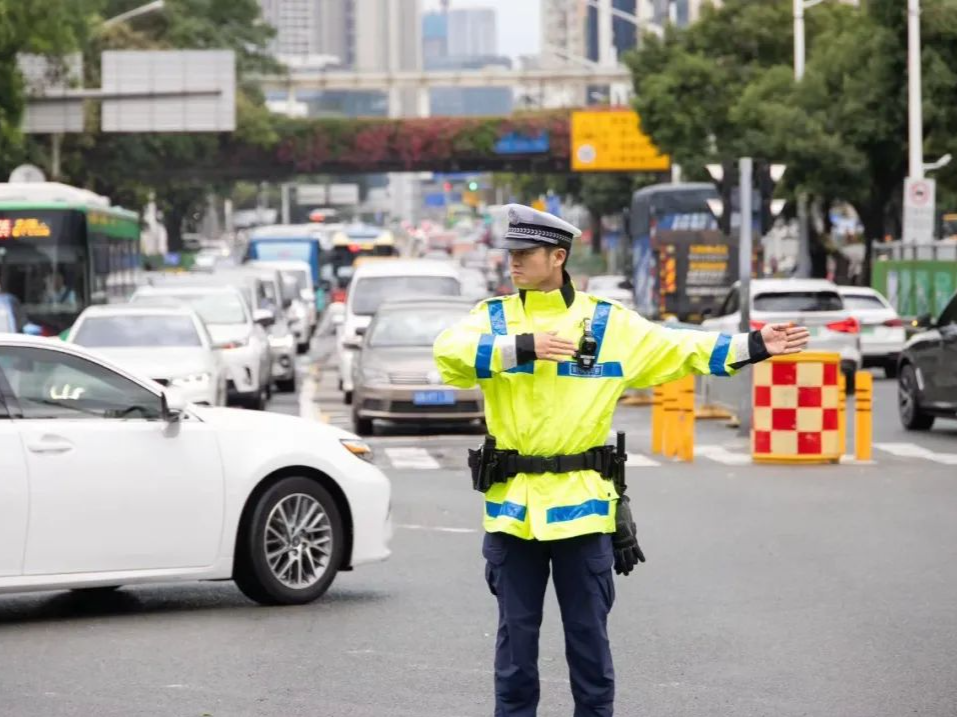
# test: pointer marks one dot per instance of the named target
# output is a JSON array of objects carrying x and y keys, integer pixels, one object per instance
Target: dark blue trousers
[{"x": 517, "y": 572}]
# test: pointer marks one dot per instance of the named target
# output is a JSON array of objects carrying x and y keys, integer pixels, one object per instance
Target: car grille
[
  {"x": 409, "y": 378},
  {"x": 409, "y": 407}
]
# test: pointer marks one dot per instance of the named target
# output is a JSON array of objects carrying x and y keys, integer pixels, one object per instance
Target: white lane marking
[
  {"x": 638, "y": 460},
  {"x": 416, "y": 458},
  {"x": 722, "y": 455},
  {"x": 308, "y": 408},
  {"x": 911, "y": 450},
  {"x": 437, "y": 529}
]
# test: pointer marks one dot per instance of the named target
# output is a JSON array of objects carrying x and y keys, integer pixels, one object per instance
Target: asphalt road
[{"x": 782, "y": 591}]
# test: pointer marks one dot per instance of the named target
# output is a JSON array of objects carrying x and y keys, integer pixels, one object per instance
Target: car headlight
[
  {"x": 358, "y": 448},
  {"x": 192, "y": 381}
]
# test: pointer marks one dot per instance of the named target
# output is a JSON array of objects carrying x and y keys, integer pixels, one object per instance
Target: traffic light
[{"x": 727, "y": 208}]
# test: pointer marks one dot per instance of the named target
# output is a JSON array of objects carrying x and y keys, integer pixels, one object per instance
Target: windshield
[
  {"x": 863, "y": 301},
  {"x": 296, "y": 279},
  {"x": 44, "y": 262},
  {"x": 799, "y": 301},
  {"x": 140, "y": 330},
  {"x": 419, "y": 327},
  {"x": 299, "y": 249},
  {"x": 213, "y": 308},
  {"x": 368, "y": 294}
]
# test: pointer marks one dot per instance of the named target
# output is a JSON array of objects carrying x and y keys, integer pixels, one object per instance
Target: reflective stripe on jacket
[{"x": 544, "y": 408}]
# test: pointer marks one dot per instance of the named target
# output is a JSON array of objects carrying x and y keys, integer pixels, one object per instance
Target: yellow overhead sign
[{"x": 612, "y": 141}]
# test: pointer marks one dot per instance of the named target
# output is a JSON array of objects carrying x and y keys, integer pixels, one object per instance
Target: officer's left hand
[{"x": 783, "y": 339}]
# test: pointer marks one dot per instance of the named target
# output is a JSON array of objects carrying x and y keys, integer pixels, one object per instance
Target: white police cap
[{"x": 529, "y": 228}]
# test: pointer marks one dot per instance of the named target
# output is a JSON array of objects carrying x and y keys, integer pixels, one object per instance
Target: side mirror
[
  {"x": 361, "y": 330},
  {"x": 286, "y": 303},
  {"x": 707, "y": 312},
  {"x": 354, "y": 344},
  {"x": 172, "y": 405},
  {"x": 264, "y": 317},
  {"x": 924, "y": 321}
]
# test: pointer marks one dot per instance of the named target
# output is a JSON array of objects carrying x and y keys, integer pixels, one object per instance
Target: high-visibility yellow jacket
[{"x": 544, "y": 408}]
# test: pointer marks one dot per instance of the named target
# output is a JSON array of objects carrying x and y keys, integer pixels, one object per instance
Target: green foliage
[
  {"x": 53, "y": 28},
  {"x": 724, "y": 88}
]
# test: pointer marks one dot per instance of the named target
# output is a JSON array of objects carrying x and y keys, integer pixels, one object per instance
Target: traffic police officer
[{"x": 552, "y": 363}]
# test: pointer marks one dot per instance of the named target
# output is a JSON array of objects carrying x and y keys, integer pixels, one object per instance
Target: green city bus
[{"x": 62, "y": 249}]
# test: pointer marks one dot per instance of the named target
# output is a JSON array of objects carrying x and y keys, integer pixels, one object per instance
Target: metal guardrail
[{"x": 914, "y": 251}]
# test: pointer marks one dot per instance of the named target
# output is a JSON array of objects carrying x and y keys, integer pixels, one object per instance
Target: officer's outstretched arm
[
  {"x": 660, "y": 354},
  {"x": 469, "y": 351}
]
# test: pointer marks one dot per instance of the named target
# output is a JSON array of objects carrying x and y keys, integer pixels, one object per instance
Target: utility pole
[
  {"x": 804, "y": 239},
  {"x": 915, "y": 117},
  {"x": 745, "y": 166}
]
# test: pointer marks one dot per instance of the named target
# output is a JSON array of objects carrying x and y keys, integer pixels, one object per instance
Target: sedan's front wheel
[{"x": 290, "y": 548}]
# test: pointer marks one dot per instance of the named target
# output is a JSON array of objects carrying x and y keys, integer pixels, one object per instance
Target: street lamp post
[{"x": 149, "y": 7}]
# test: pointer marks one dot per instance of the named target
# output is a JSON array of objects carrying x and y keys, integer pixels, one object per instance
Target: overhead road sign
[
  {"x": 51, "y": 105},
  {"x": 612, "y": 141},
  {"x": 185, "y": 90}
]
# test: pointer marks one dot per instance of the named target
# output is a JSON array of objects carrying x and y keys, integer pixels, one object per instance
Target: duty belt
[{"x": 491, "y": 465}]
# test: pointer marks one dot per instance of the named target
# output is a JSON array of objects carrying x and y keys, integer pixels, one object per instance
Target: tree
[
  {"x": 52, "y": 28},
  {"x": 103, "y": 162},
  {"x": 724, "y": 88}
]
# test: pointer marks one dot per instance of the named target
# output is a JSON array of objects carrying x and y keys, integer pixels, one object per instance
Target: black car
[{"x": 927, "y": 371}]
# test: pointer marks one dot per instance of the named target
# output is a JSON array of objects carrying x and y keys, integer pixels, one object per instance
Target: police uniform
[{"x": 563, "y": 522}]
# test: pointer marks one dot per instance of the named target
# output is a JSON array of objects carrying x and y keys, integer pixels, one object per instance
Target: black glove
[{"x": 625, "y": 544}]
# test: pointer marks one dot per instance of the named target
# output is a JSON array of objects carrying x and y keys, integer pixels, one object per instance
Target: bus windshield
[{"x": 43, "y": 260}]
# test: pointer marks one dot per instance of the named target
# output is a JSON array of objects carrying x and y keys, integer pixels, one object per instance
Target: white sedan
[
  {"x": 167, "y": 344},
  {"x": 882, "y": 331},
  {"x": 107, "y": 479}
]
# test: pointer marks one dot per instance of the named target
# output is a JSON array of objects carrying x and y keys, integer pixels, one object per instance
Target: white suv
[{"x": 815, "y": 303}]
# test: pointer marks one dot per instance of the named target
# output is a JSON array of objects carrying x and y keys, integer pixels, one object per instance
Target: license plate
[
  {"x": 868, "y": 329},
  {"x": 813, "y": 330},
  {"x": 433, "y": 398}
]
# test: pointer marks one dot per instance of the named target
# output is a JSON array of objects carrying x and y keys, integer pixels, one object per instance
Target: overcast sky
[{"x": 519, "y": 31}]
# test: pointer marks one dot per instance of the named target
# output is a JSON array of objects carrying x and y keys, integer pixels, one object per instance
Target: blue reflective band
[
  {"x": 496, "y": 317},
  {"x": 507, "y": 509},
  {"x": 483, "y": 356},
  {"x": 565, "y": 513},
  {"x": 599, "y": 322},
  {"x": 609, "y": 369},
  {"x": 523, "y": 368},
  {"x": 719, "y": 355}
]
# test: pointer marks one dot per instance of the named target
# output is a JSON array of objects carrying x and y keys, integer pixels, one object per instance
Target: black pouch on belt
[{"x": 482, "y": 464}]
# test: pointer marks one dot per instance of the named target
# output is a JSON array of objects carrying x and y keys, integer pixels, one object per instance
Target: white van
[{"x": 377, "y": 281}]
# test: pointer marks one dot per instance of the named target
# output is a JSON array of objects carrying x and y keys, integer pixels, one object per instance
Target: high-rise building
[
  {"x": 563, "y": 32},
  {"x": 435, "y": 37},
  {"x": 296, "y": 23},
  {"x": 471, "y": 32}
]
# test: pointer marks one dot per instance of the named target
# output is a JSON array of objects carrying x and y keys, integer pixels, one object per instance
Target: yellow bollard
[
  {"x": 657, "y": 419},
  {"x": 863, "y": 416},
  {"x": 841, "y": 413},
  {"x": 686, "y": 418},
  {"x": 670, "y": 423}
]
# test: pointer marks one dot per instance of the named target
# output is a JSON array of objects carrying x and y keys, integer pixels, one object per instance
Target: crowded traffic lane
[{"x": 799, "y": 591}]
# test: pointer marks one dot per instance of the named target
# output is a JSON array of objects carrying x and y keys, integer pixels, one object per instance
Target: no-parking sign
[{"x": 919, "y": 207}]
